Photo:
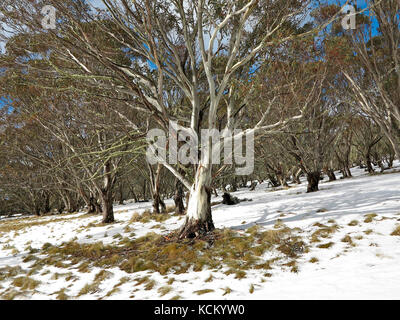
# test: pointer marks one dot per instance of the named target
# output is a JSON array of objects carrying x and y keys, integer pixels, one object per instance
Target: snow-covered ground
[{"x": 365, "y": 268}]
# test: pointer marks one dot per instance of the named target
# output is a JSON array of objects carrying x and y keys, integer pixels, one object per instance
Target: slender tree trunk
[
  {"x": 282, "y": 180},
  {"x": 178, "y": 198},
  {"x": 121, "y": 195},
  {"x": 106, "y": 195},
  {"x": 91, "y": 205},
  {"x": 37, "y": 211},
  {"x": 296, "y": 176},
  {"x": 107, "y": 207},
  {"x": 234, "y": 187},
  {"x": 155, "y": 181},
  {"x": 46, "y": 205},
  {"x": 347, "y": 169},
  {"x": 370, "y": 168},
  {"x": 273, "y": 180},
  {"x": 313, "y": 181}
]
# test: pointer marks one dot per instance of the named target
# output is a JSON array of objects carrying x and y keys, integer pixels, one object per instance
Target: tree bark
[
  {"x": 198, "y": 217},
  {"x": 273, "y": 181},
  {"x": 313, "y": 181},
  {"x": 91, "y": 205},
  {"x": 370, "y": 168},
  {"x": 106, "y": 195},
  {"x": 331, "y": 175},
  {"x": 155, "y": 181},
  {"x": 178, "y": 198},
  {"x": 107, "y": 207}
]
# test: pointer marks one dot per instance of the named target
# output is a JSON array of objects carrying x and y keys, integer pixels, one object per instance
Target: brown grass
[
  {"x": 204, "y": 291},
  {"x": 370, "y": 217},
  {"x": 26, "y": 283},
  {"x": 323, "y": 232},
  {"x": 326, "y": 245},
  {"x": 156, "y": 253},
  {"x": 396, "y": 232},
  {"x": 353, "y": 223}
]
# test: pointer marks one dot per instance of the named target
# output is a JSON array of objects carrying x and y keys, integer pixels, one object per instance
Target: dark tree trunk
[
  {"x": 347, "y": 169},
  {"x": 370, "y": 168},
  {"x": 92, "y": 205},
  {"x": 331, "y": 175},
  {"x": 234, "y": 187},
  {"x": 313, "y": 179},
  {"x": 107, "y": 207},
  {"x": 390, "y": 161},
  {"x": 273, "y": 181},
  {"x": 215, "y": 192},
  {"x": 37, "y": 211},
  {"x": 155, "y": 182},
  {"x": 178, "y": 198},
  {"x": 253, "y": 186}
]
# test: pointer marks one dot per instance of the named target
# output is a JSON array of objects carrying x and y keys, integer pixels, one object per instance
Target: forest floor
[{"x": 342, "y": 242}]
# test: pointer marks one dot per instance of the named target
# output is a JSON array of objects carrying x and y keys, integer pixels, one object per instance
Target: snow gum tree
[{"x": 150, "y": 50}]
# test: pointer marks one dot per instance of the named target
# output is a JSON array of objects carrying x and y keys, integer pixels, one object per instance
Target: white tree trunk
[{"x": 198, "y": 217}]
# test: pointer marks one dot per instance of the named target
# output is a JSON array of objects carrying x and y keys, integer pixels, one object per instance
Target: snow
[{"x": 368, "y": 270}]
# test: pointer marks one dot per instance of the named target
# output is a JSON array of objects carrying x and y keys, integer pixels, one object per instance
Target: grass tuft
[
  {"x": 326, "y": 245},
  {"x": 396, "y": 232},
  {"x": 204, "y": 291},
  {"x": 370, "y": 217},
  {"x": 25, "y": 283}
]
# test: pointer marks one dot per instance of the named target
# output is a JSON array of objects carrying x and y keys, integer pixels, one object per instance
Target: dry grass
[
  {"x": 147, "y": 216},
  {"x": 164, "y": 290},
  {"x": 251, "y": 290},
  {"x": 314, "y": 260},
  {"x": 21, "y": 224},
  {"x": 156, "y": 253},
  {"x": 204, "y": 291},
  {"x": 210, "y": 278},
  {"x": 10, "y": 272},
  {"x": 396, "y": 232},
  {"x": 324, "y": 232},
  {"x": 326, "y": 245},
  {"x": 370, "y": 217},
  {"x": 94, "y": 286},
  {"x": 10, "y": 294},
  {"x": 227, "y": 290},
  {"x": 353, "y": 223},
  {"x": 61, "y": 295},
  {"x": 348, "y": 239},
  {"x": 25, "y": 283}
]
